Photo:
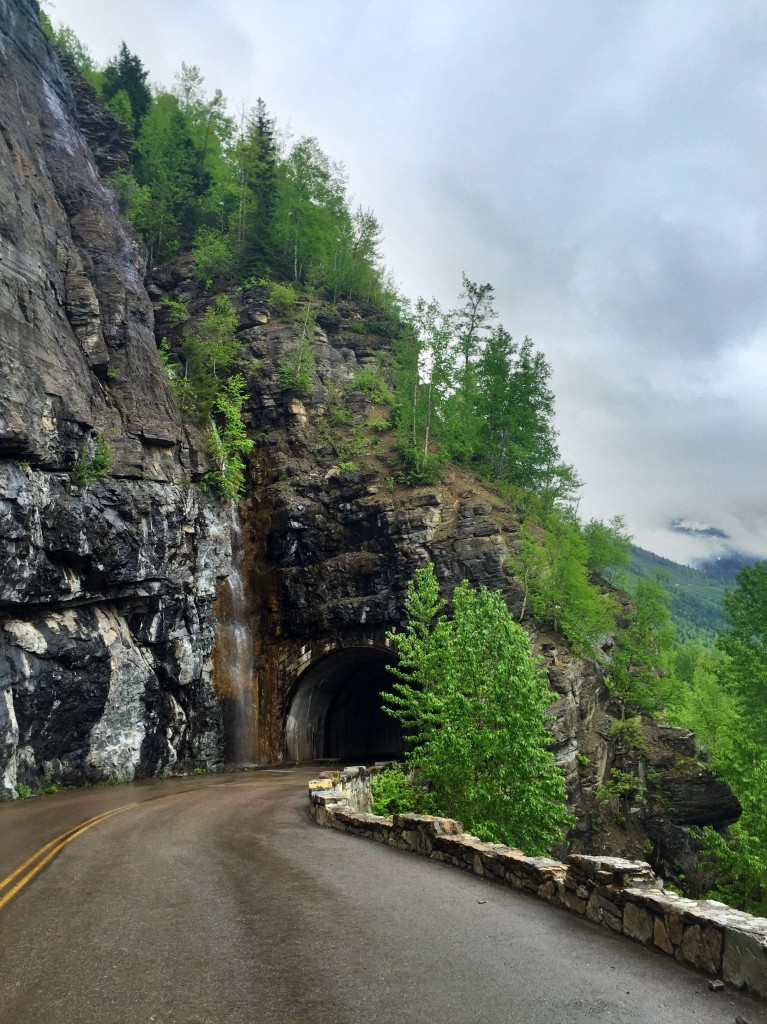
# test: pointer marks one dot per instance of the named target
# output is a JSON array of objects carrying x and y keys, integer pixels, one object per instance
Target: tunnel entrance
[{"x": 336, "y": 709}]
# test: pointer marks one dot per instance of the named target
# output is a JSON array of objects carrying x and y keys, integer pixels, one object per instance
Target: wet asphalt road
[{"x": 218, "y": 901}]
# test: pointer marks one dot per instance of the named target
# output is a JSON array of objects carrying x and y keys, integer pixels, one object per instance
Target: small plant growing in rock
[
  {"x": 90, "y": 466},
  {"x": 229, "y": 442},
  {"x": 624, "y": 785},
  {"x": 295, "y": 370},
  {"x": 628, "y": 733}
]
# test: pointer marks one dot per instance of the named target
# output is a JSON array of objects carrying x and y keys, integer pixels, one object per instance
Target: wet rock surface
[{"x": 106, "y": 590}]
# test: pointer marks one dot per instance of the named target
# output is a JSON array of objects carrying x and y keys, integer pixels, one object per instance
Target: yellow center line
[
  {"x": 37, "y": 861},
  {"x": 40, "y": 858}
]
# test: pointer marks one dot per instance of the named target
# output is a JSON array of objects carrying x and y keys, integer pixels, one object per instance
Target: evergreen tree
[
  {"x": 167, "y": 209},
  {"x": 125, "y": 72},
  {"x": 257, "y": 168},
  {"x": 744, "y": 640}
]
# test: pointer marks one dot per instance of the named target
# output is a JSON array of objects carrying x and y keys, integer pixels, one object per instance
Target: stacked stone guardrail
[{"x": 621, "y": 895}]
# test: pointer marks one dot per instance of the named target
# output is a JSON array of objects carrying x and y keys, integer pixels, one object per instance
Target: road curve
[{"x": 218, "y": 901}]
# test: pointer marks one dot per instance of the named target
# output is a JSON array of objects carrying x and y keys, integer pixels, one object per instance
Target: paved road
[{"x": 220, "y": 902}]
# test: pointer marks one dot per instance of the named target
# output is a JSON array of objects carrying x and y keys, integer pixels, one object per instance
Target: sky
[{"x": 603, "y": 164}]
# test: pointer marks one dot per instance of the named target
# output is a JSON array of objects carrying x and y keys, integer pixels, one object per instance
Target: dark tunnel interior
[{"x": 336, "y": 709}]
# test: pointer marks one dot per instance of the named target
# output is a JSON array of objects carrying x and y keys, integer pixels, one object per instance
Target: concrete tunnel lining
[{"x": 336, "y": 712}]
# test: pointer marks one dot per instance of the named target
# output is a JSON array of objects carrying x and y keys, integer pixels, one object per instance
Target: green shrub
[
  {"x": 628, "y": 733},
  {"x": 295, "y": 370},
  {"x": 369, "y": 382},
  {"x": 393, "y": 792},
  {"x": 92, "y": 465},
  {"x": 212, "y": 256},
  {"x": 624, "y": 785},
  {"x": 282, "y": 299},
  {"x": 340, "y": 417}
]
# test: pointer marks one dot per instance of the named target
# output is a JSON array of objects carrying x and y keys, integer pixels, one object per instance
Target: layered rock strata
[{"x": 106, "y": 587}]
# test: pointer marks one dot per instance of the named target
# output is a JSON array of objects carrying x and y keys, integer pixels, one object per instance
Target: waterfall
[{"x": 235, "y": 657}]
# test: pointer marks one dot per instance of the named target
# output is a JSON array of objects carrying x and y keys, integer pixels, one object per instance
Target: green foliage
[
  {"x": 697, "y": 696},
  {"x": 643, "y": 648},
  {"x": 744, "y": 641},
  {"x": 212, "y": 256},
  {"x": 296, "y": 370},
  {"x": 92, "y": 463},
  {"x": 620, "y": 784},
  {"x": 175, "y": 310},
  {"x": 393, "y": 792},
  {"x": 229, "y": 442},
  {"x": 696, "y": 598},
  {"x": 608, "y": 547},
  {"x": 208, "y": 354},
  {"x": 374, "y": 386},
  {"x": 472, "y": 701},
  {"x": 340, "y": 417},
  {"x": 627, "y": 733},
  {"x": 739, "y": 864},
  {"x": 24, "y": 791},
  {"x": 282, "y": 299},
  {"x": 553, "y": 565},
  {"x": 125, "y": 74}
]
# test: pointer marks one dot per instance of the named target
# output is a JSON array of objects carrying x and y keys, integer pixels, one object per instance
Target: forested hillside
[{"x": 243, "y": 207}]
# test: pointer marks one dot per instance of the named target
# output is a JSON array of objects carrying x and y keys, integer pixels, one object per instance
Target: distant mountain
[
  {"x": 696, "y": 595},
  {"x": 725, "y": 565}
]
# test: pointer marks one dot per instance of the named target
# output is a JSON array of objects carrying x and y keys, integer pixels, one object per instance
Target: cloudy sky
[{"x": 603, "y": 164}]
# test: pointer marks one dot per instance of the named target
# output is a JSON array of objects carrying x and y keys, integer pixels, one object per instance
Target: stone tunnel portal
[{"x": 336, "y": 709}]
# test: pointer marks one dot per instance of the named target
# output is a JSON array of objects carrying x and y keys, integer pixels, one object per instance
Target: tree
[
  {"x": 552, "y": 563},
  {"x": 125, "y": 72},
  {"x": 472, "y": 700},
  {"x": 744, "y": 639},
  {"x": 427, "y": 376},
  {"x": 172, "y": 183},
  {"x": 644, "y": 646},
  {"x": 473, "y": 322},
  {"x": 257, "y": 162},
  {"x": 609, "y": 547}
]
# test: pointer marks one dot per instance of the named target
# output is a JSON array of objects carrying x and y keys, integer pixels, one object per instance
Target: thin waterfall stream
[{"x": 235, "y": 657}]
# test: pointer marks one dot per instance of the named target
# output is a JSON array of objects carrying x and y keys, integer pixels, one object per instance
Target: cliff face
[{"x": 105, "y": 589}]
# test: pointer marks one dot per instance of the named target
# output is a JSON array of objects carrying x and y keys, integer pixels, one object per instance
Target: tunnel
[{"x": 336, "y": 711}]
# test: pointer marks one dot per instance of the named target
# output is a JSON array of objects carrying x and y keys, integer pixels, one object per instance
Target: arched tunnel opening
[{"x": 336, "y": 710}]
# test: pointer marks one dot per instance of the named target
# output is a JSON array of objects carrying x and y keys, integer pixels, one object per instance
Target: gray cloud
[{"x": 602, "y": 164}]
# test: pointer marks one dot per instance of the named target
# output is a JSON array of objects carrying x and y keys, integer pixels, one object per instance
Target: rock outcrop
[{"x": 106, "y": 589}]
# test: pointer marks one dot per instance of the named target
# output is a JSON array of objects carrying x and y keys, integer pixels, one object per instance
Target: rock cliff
[{"x": 106, "y": 588}]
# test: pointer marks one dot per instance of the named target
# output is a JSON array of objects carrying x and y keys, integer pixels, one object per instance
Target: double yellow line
[{"x": 33, "y": 865}]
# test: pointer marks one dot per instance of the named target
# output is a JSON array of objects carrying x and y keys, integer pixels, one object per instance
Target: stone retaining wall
[{"x": 622, "y": 895}]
